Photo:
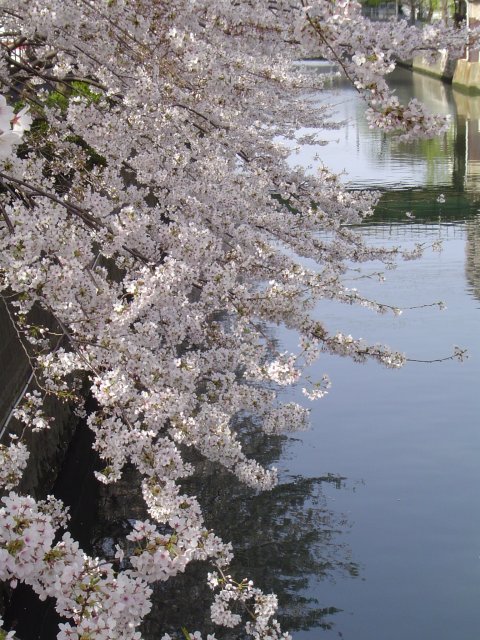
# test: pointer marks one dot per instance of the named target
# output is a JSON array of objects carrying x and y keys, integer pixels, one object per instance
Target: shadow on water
[{"x": 286, "y": 541}]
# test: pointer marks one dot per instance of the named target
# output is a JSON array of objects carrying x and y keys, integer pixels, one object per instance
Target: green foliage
[
  {"x": 84, "y": 89},
  {"x": 61, "y": 96},
  {"x": 57, "y": 99},
  {"x": 373, "y": 3}
]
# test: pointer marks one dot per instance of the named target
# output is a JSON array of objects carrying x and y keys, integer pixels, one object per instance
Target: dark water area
[{"x": 287, "y": 540}]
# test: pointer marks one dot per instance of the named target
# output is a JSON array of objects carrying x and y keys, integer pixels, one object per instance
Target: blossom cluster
[
  {"x": 339, "y": 29},
  {"x": 101, "y": 604},
  {"x": 261, "y": 607},
  {"x": 31, "y": 411},
  {"x": 13, "y": 461}
]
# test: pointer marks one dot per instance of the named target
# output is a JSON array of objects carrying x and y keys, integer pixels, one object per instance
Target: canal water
[{"x": 406, "y": 442}]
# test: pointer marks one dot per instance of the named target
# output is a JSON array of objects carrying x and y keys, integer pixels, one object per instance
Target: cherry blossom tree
[{"x": 147, "y": 205}]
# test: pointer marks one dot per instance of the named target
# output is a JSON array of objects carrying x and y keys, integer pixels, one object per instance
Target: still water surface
[{"x": 407, "y": 442}]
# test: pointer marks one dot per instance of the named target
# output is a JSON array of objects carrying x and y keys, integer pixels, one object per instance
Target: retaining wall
[
  {"x": 443, "y": 67},
  {"x": 467, "y": 77},
  {"x": 47, "y": 447}
]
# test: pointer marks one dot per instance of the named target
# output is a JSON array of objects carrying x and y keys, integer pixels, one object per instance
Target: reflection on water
[
  {"x": 287, "y": 540},
  {"x": 373, "y": 159},
  {"x": 472, "y": 261}
]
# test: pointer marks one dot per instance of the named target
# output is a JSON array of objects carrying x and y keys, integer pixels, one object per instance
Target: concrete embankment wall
[
  {"x": 47, "y": 448},
  {"x": 467, "y": 73},
  {"x": 14, "y": 367},
  {"x": 443, "y": 67},
  {"x": 464, "y": 75},
  {"x": 467, "y": 77}
]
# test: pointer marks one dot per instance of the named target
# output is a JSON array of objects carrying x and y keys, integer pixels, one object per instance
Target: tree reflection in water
[{"x": 285, "y": 540}]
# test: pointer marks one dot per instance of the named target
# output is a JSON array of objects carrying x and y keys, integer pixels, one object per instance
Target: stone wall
[
  {"x": 467, "y": 77},
  {"x": 47, "y": 448},
  {"x": 14, "y": 367}
]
